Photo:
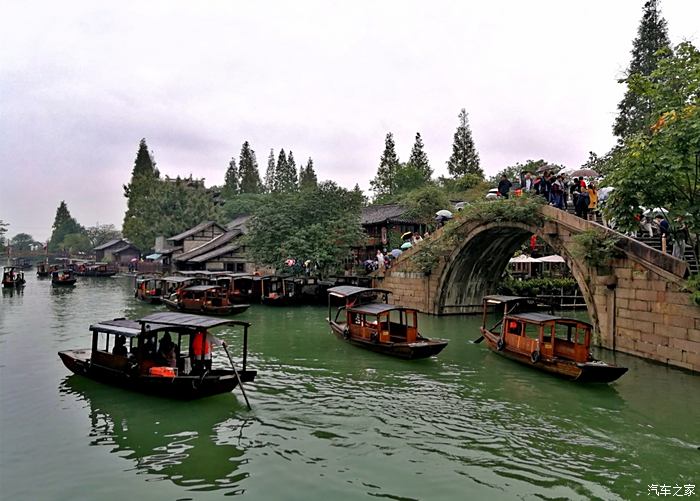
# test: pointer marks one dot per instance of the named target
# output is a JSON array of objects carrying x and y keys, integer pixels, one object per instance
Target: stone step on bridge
[{"x": 637, "y": 305}]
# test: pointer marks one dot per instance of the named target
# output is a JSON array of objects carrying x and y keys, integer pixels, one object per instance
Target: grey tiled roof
[
  {"x": 196, "y": 229},
  {"x": 394, "y": 213}
]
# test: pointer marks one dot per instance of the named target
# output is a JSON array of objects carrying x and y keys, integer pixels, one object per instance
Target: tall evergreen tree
[
  {"x": 652, "y": 36},
  {"x": 465, "y": 158},
  {"x": 248, "y": 170},
  {"x": 231, "y": 180},
  {"x": 292, "y": 168},
  {"x": 419, "y": 160},
  {"x": 270, "y": 174},
  {"x": 140, "y": 192},
  {"x": 63, "y": 224},
  {"x": 384, "y": 183},
  {"x": 307, "y": 177},
  {"x": 285, "y": 175}
]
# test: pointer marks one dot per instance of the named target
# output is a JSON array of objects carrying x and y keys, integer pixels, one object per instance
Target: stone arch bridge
[{"x": 637, "y": 306}]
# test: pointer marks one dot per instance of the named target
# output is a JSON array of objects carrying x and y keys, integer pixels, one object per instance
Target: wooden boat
[
  {"x": 204, "y": 299},
  {"x": 137, "y": 365},
  {"x": 240, "y": 287},
  {"x": 96, "y": 270},
  {"x": 12, "y": 279},
  {"x": 281, "y": 291},
  {"x": 381, "y": 327},
  {"x": 149, "y": 289},
  {"x": 63, "y": 278},
  {"x": 557, "y": 345},
  {"x": 43, "y": 270}
]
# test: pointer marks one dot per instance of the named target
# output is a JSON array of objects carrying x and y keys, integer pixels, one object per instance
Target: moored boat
[
  {"x": 556, "y": 345},
  {"x": 124, "y": 354},
  {"x": 97, "y": 270},
  {"x": 63, "y": 278},
  {"x": 378, "y": 326},
  {"x": 149, "y": 289},
  {"x": 281, "y": 291},
  {"x": 43, "y": 270},
  {"x": 203, "y": 299}
]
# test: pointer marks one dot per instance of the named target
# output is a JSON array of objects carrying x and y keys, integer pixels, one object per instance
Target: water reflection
[{"x": 199, "y": 445}]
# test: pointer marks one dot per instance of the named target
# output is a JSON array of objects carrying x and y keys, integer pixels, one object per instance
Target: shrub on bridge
[
  {"x": 597, "y": 248},
  {"x": 537, "y": 286}
]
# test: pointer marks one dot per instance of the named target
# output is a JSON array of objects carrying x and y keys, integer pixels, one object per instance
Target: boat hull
[
  {"x": 214, "y": 382},
  {"x": 589, "y": 372},
  {"x": 410, "y": 351},
  {"x": 224, "y": 311},
  {"x": 63, "y": 283}
]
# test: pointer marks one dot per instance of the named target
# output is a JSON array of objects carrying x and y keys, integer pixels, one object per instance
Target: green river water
[{"x": 329, "y": 420}]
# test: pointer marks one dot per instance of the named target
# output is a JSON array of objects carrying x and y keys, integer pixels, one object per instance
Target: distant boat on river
[{"x": 203, "y": 299}]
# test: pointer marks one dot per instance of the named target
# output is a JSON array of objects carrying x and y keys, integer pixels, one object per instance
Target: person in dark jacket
[{"x": 504, "y": 186}]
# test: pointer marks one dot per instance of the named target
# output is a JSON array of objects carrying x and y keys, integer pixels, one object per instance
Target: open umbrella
[
  {"x": 290, "y": 262},
  {"x": 655, "y": 211},
  {"x": 584, "y": 173},
  {"x": 406, "y": 245},
  {"x": 406, "y": 235},
  {"x": 444, "y": 213},
  {"x": 396, "y": 252}
]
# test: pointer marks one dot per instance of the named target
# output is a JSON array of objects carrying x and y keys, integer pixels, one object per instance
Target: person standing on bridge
[
  {"x": 504, "y": 186},
  {"x": 680, "y": 237}
]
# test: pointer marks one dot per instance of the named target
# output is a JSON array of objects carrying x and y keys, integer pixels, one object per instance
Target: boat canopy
[
  {"x": 191, "y": 273},
  {"x": 120, "y": 326},
  {"x": 200, "y": 288},
  {"x": 538, "y": 318},
  {"x": 177, "y": 280},
  {"x": 187, "y": 320},
  {"x": 376, "y": 308},
  {"x": 351, "y": 290},
  {"x": 504, "y": 299}
]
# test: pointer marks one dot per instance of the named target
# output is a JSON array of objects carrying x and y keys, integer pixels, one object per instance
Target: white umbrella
[
  {"x": 444, "y": 213},
  {"x": 655, "y": 211},
  {"x": 523, "y": 258},
  {"x": 554, "y": 258}
]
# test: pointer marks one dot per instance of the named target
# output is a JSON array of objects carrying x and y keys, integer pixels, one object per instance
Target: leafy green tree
[
  {"x": 320, "y": 226},
  {"x": 3, "y": 230},
  {"x": 419, "y": 159},
  {"x": 650, "y": 46},
  {"x": 662, "y": 168},
  {"x": 101, "y": 234},
  {"x": 243, "y": 204},
  {"x": 408, "y": 177},
  {"x": 307, "y": 176},
  {"x": 231, "y": 180},
  {"x": 384, "y": 183},
  {"x": 248, "y": 170},
  {"x": 424, "y": 202},
  {"x": 270, "y": 174},
  {"x": 74, "y": 243},
  {"x": 464, "y": 159},
  {"x": 22, "y": 242},
  {"x": 63, "y": 224}
]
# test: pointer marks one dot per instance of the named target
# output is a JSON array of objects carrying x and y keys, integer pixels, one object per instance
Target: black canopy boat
[
  {"x": 380, "y": 327},
  {"x": 149, "y": 289},
  {"x": 11, "y": 278},
  {"x": 63, "y": 278},
  {"x": 557, "y": 345},
  {"x": 279, "y": 290},
  {"x": 134, "y": 363}
]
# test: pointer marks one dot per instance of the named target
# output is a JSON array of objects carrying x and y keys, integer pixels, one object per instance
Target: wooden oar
[
  {"x": 481, "y": 338},
  {"x": 240, "y": 383}
]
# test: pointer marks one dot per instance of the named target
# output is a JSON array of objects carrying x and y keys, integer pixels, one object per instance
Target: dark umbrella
[{"x": 584, "y": 173}]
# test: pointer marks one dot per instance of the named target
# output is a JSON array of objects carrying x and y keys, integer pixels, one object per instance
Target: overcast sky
[{"x": 82, "y": 82}]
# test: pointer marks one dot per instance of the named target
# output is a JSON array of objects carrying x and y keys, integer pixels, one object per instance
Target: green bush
[
  {"x": 692, "y": 285},
  {"x": 596, "y": 247},
  {"x": 537, "y": 286}
]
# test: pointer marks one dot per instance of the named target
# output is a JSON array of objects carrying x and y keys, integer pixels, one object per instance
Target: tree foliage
[
  {"x": 424, "y": 202},
  {"x": 63, "y": 224},
  {"x": 101, "y": 234},
  {"x": 248, "y": 170},
  {"x": 660, "y": 166},
  {"x": 270, "y": 173},
  {"x": 285, "y": 174},
  {"x": 22, "y": 242},
  {"x": 650, "y": 46},
  {"x": 419, "y": 159},
  {"x": 307, "y": 177},
  {"x": 464, "y": 158},
  {"x": 320, "y": 226},
  {"x": 231, "y": 181},
  {"x": 384, "y": 183}
]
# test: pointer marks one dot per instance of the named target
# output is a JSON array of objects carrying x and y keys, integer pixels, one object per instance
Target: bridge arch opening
[{"x": 474, "y": 269}]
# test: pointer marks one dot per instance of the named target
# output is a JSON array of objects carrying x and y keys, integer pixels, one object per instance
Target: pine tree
[
  {"x": 63, "y": 224},
  {"x": 419, "y": 160},
  {"x": 285, "y": 175},
  {"x": 270, "y": 174},
  {"x": 248, "y": 170},
  {"x": 231, "y": 180},
  {"x": 292, "y": 170},
  {"x": 384, "y": 182},
  {"x": 652, "y": 36},
  {"x": 140, "y": 192},
  {"x": 307, "y": 177},
  {"x": 465, "y": 158}
]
